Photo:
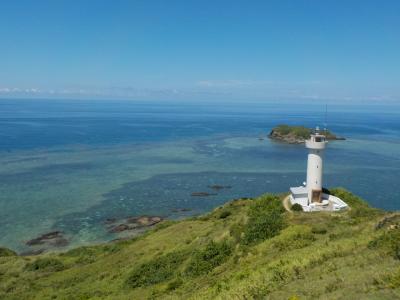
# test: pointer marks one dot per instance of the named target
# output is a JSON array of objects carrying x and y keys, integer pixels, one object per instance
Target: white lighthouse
[
  {"x": 311, "y": 196},
  {"x": 316, "y": 145}
]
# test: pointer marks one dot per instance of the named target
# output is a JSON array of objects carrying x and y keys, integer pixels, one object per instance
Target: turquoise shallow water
[{"x": 69, "y": 165}]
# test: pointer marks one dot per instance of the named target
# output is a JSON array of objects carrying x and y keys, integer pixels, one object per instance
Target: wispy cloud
[
  {"x": 124, "y": 92},
  {"x": 242, "y": 83},
  {"x": 206, "y": 90},
  {"x": 234, "y": 83},
  {"x": 8, "y": 90}
]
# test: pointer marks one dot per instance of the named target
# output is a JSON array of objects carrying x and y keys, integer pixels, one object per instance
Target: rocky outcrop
[
  {"x": 119, "y": 228},
  {"x": 32, "y": 252},
  {"x": 110, "y": 220},
  {"x": 175, "y": 210},
  {"x": 132, "y": 223},
  {"x": 218, "y": 187},
  {"x": 390, "y": 222},
  {"x": 287, "y": 138},
  {"x": 54, "y": 238},
  {"x": 202, "y": 194}
]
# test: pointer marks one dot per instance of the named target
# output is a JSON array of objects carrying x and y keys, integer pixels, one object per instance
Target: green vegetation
[
  {"x": 389, "y": 242},
  {"x": 265, "y": 220},
  {"x": 205, "y": 260},
  {"x": 297, "y": 131},
  {"x": 156, "y": 270},
  {"x": 296, "y": 207},
  {"x": 48, "y": 264},
  {"x": 224, "y": 214},
  {"x": 246, "y": 249},
  {"x": 296, "y": 134},
  {"x": 360, "y": 209},
  {"x": 6, "y": 252}
]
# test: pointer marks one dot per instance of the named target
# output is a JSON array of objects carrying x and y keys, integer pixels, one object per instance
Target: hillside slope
[{"x": 246, "y": 249}]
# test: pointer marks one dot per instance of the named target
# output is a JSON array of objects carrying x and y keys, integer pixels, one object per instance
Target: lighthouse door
[{"x": 316, "y": 196}]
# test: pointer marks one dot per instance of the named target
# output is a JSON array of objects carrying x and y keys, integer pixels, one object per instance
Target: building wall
[{"x": 314, "y": 171}]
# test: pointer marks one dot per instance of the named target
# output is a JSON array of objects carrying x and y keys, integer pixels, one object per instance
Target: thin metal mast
[{"x": 326, "y": 118}]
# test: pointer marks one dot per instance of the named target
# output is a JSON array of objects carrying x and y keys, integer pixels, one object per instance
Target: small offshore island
[
  {"x": 244, "y": 249},
  {"x": 297, "y": 134}
]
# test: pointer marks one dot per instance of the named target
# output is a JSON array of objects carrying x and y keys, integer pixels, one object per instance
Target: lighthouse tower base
[{"x": 328, "y": 202}]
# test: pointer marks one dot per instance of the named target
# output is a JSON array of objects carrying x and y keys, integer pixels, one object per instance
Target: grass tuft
[
  {"x": 6, "y": 252},
  {"x": 47, "y": 264},
  {"x": 157, "y": 270},
  {"x": 205, "y": 260},
  {"x": 265, "y": 220}
]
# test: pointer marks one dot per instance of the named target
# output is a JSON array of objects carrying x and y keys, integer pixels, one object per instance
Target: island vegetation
[
  {"x": 297, "y": 134},
  {"x": 245, "y": 249}
]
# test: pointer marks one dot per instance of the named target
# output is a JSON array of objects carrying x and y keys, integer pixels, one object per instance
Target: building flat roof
[{"x": 298, "y": 190}]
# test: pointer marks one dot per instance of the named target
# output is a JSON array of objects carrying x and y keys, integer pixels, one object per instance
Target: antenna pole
[{"x": 326, "y": 131}]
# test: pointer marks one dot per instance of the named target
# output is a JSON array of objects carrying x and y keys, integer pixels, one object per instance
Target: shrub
[
  {"x": 301, "y": 131},
  {"x": 236, "y": 231},
  {"x": 293, "y": 237},
  {"x": 352, "y": 200},
  {"x": 297, "y": 131},
  {"x": 84, "y": 255},
  {"x": 297, "y": 207},
  {"x": 394, "y": 279},
  {"x": 6, "y": 252},
  {"x": 164, "y": 224},
  {"x": 174, "y": 284},
  {"x": 80, "y": 251},
  {"x": 283, "y": 129},
  {"x": 45, "y": 264},
  {"x": 359, "y": 208},
  {"x": 265, "y": 220},
  {"x": 204, "y": 261},
  {"x": 224, "y": 214},
  {"x": 389, "y": 242},
  {"x": 157, "y": 270},
  {"x": 318, "y": 229}
]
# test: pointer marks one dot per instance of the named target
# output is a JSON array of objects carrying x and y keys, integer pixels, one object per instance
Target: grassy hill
[{"x": 246, "y": 249}]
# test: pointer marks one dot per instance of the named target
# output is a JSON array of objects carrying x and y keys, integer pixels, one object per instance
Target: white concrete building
[{"x": 310, "y": 196}]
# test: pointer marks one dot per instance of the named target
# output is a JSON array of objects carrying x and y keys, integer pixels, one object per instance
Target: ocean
[{"x": 70, "y": 165}]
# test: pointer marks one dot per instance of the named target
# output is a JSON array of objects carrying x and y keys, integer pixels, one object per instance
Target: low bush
[
  {"x": 294, "y": 237},
  {"x": 297, "y": 207},
  {"x": 359, "y": 208},
  {"x": 389, "y": 242},
  {"x": 84, "y": 255},
  {"x": 265, "y": 220},
  {"x": 319, "y": 229},
  {"x": 394, "y": 280},
  {"x": 236, "y": 231},
  {"x": 297, "y": 131},
  {"x": 6, "y": 252},
  {"x": 82, "y": 251},
  {"x": 205, "y": 260},
  {"x": 224, "y": 214},
  {"x": 48, "y": 264},
  {"x": 352, "y": 200},
  {"x": 157, "y": 270},
  {"x": 174, "y": 284},
  {"x": 164, "y": 224}
]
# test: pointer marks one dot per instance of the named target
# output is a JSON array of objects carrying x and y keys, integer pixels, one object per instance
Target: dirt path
[{"x": 286, "y": 204}]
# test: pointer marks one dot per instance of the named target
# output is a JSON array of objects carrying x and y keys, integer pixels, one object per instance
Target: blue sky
[{"x": 201, "y": 50}]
